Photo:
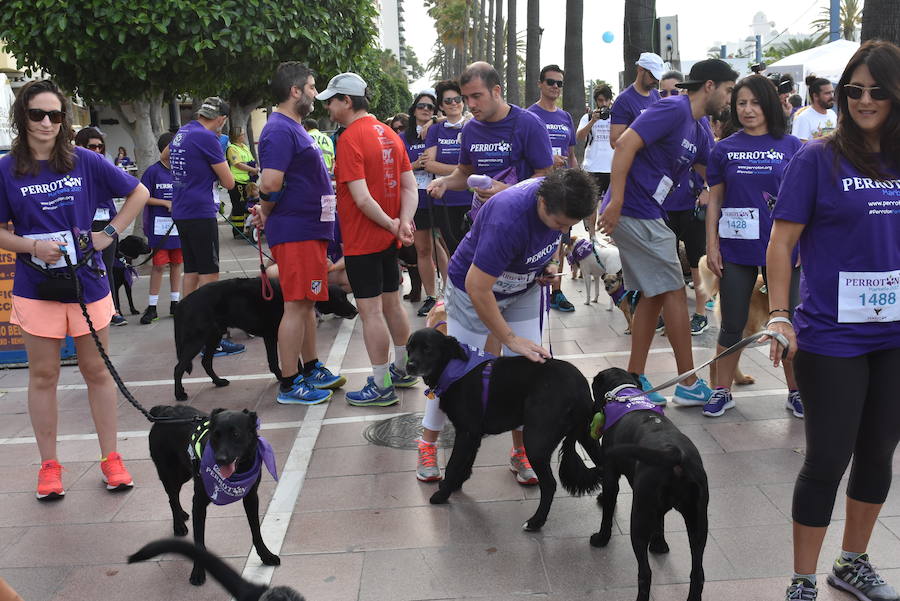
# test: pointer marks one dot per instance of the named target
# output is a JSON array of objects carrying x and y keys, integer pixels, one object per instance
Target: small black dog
[
  {"x": 230, "y": 580},
  {"x": 129, "y": 249},
  {"x": 664, "y": 470},
  {"x": 234, "y": 441},
  {"x": 552, "y": 400}
]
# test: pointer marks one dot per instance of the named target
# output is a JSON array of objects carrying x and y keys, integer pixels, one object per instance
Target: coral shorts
[
  {"x": 166, "y": 256},
  {"x": 302, "y": 269},
  {"x": 53, "y": 319}
]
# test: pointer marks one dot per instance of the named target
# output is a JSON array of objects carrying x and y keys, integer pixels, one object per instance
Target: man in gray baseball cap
[{"x": 348, "y": 84}]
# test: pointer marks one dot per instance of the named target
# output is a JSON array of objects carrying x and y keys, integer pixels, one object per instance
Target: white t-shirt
[
  {"x": 810, "y": 124},
  {"x": 598, "y": 153}
]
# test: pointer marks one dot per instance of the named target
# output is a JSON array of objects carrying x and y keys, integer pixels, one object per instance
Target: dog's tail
[
  {"x": 667, "y": 456},
  {"x": 179, "y": 342},
  {"x": 576, "y": 477}
]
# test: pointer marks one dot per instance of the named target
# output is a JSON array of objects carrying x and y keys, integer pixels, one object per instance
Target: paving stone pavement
[{"x": 361, "y": 527}]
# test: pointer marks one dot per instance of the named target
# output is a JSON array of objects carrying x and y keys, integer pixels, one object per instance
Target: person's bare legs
[
  {"x": 174, "y": 277},
  {"x": 293, "y": 332},
  {"x": 308, "y": 350},
  {"x": 424, "y": 248},
  {"x": 156, "y": 275},
  {"x": 395, "y": 316},
  {"x": 678, "y": 331},
  {"x": 858, "y": 527},
  {"x": 807, "y": 546},
  {"x": 376, "y": 335},
  {"x": 725, "y": 368},
  {"x": 43, "y": 376},
  {"x": 192, "y": 281},
  {"x": 101, "y": 389}
]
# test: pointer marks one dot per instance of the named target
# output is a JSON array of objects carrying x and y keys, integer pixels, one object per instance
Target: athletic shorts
[
  {"x": 199, "y": 245},
  {"x": 422, "y": 218},
  {"x": 373, "y": 274},
  {"x": 692, "y": 232},
  {"x": 649, "y": 259},
  {"x": 168, "y": 256},
  {"x": 53, "y": 319},
  {"x": 522, "y": 312},
  {"x": 302, "y": 269}
]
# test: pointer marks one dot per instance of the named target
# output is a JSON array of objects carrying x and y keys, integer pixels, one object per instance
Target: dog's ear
[
  {"x": 216, "y": 412},
  {"x": 454, "y": 350},
  {"x": 252, "y": 420}
]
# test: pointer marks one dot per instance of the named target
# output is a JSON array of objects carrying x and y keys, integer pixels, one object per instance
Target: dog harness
[
  {"x": 615, "y": 409},
  {"x": 223, "y": 491},
  {"x": 456, "y": 369},
  {"x": 581, "y": 250}
]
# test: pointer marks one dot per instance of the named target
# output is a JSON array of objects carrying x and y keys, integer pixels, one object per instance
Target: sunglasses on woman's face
[
  {"x": 856, "y": 92},
  {"x": 97, "y": 147},
  {"x": 664, "y": 93},
  {"x": 454, "y": 100},
  {"x": 425, "y": 106},
  {"x": 37, "y": 115}
]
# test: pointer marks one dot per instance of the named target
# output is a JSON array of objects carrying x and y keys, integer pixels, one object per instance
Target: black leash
[
  {"x": 244, "y": 236},
  {"x": 153, "y": 251}
]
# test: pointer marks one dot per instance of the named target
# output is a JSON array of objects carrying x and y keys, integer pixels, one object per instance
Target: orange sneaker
[
  {"x": 521, "y": 467},
  {"x": 427, "y": 469},
  {"x": 50, "y": 485},
  {"x": 115, "y": 475}
]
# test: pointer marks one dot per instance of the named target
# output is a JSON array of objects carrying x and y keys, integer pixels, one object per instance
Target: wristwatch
[{"x": 110, "y": 231}]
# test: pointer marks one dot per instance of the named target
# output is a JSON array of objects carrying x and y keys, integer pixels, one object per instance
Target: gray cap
[
  {"x": 350, "y": 84},
  {"x": 213, "y": 107}
]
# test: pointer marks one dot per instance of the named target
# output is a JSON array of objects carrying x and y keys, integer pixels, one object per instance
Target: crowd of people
[{"x": 484, "y": 192}]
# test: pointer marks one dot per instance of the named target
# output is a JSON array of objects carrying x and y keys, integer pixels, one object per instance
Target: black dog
[
  {"x": 129, "y": 249},
  {"x": 664, "y": 470},
  {"x": 234, "y": 441},
  {"x": 204, "y": 316},
  {"x": 552, "y": 400},
  {"x": 230, "y": 580}
]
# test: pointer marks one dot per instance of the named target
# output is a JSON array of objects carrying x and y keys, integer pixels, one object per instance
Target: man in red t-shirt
[{"x": 376, "y": 200}]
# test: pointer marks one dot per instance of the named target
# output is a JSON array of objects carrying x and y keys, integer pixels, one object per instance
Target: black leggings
[
  {"x": 851, "y": 410},
  {"x": 735, "y": 290}
]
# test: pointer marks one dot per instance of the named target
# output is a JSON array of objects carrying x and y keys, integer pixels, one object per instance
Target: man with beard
[
  {"x": 818, "y": 119},
  {"x": 297, "y": 209}
]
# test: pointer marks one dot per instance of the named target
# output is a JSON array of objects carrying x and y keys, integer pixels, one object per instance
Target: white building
[
  {"x": 760, "y": 26},
  {"x": 390, "y": 26}
]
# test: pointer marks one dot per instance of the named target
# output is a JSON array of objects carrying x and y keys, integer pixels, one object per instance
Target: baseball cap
[
  {"x": 653, "y": 63},
  {"x": 350, "y": 84},
  {"x": 711, "y": 69},
  {"x": 213, "y": 107}
]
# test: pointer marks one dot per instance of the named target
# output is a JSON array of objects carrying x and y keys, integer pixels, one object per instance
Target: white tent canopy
[{"x": 826, "y": 61}]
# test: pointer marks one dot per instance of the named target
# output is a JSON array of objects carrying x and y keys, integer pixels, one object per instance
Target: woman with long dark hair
[
  {"x": 49, "y": 190},
  {"x": 839, "y": 200}
]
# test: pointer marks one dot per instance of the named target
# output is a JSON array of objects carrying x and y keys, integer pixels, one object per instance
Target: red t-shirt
[{"x": 368, "y": 150}]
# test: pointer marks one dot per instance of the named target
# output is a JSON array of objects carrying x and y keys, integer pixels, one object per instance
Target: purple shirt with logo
[
  {"x": 446, "y": 139},
  {"x": 850, "y": 249},
  {"x": 60, "y": 206},
  {"x": 559, "y": 126},
  {"x": 519, "y": 140},
  {"x": 192, "y": 153},
  {"x": 306, "y": 209},
  {"x": 508, "y": 241},
  {"x": 414, "y": 150},
  {"x": 630, "y": 104},
  {"x": 751, "y": 167},
  {"x": 158, "y": 180}
]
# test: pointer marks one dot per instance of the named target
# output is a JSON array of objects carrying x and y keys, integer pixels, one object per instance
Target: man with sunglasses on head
[{"x": 637, "y": 97}]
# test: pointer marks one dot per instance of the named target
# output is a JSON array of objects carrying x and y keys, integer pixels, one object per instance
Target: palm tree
[
  {"x": 512, "y": 56},
  {"x": 881, "y": 21},
  {"x": 489, "y": 32},
  {"x": 792, "y": 46},
  {"x": 850, "y": 21},
  {"x": 533, "y": 51},
  {"x": 573, "y": 55},
  {"x": 640, "y": 16},
  {"x": 499, "y": 62}
]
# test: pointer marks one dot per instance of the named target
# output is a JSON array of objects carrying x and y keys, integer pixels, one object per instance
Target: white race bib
[
  {"x": 329, "y": 203},
  {"x": 868, "y": 296},
  {"x": 739, "y": 224},
  {"x": 510, "y": 283},
  {"x": 58, "y": 237},
  {"x": 557, "y": 152},
  {"x": 662, "y": 189},
  {"x": 423, "y": 178},
  {"x": 161, "y": 226},
  {"x": 101, "y": 214}
]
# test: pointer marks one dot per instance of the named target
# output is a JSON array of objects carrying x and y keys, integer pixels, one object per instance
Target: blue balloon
[{"x": 608, "y": 37}]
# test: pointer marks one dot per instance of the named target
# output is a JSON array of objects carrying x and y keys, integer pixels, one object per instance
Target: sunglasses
[
  {"x": 875, "y": 93},
  {"x": 554, "y": 82},
  {"x": 454, "y": 100},
  {"x": 100, "y": 147},
  {"x": 37, "y": 115},
  {"x": 425, "y": 106},
  {"x": 664, "y": 93}
]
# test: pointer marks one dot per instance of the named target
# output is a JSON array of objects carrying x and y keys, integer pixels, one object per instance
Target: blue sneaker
[
  {"x": 302, "y": 393},
  {"x": 227, "y": 347},
  {"x": 719, "y": 401},
  {"x": 559, "y": 302},
  {"x": 401, "y": 380},
  {"x": 372, "y": 396},
  {"x": 794, "y": 403},
  {"x": 654, "y": 397},
  {"x": 711, "y": 304},
  {"x": 693, "y": 396},
  {"x": 322, "y": 378}
]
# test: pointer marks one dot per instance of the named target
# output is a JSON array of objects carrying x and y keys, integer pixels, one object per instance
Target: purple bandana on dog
[
  {"x": 616, "y": 410},
  {"x": 581, "y": 250},
  {"x": 235, "y": 487},
  {"x": 457, "y": 368}
]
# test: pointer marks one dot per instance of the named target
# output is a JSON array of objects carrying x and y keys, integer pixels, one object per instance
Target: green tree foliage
[
  {"x": 792, "y": 46},
  {"x": 415, "y": 70},
  {"x": 849, "y": 21},
  {"x": 387, "y": 82}
]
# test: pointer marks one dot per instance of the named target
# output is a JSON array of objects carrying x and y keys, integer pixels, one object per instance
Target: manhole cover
[{"x": 402, "y": 431}]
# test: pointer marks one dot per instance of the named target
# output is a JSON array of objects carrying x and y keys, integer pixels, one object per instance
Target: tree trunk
[
  {"x": 573, "y": 96},
  {"x": 533, "y": 52},
  {"x": 881, "y": 21},
  {"x": 141, "y": 130},
  {"x": 512, "y": 56},
  {"x": 498, "y": 42},
  {"x": 483, "y": 54},
  {"x": 638, "y": 35},
  {"x": 465, "y": 44},
  {"x": 489, "y": 32}
]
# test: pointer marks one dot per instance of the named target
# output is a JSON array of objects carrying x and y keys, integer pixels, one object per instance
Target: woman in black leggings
[{"x": 840, "y": 199}]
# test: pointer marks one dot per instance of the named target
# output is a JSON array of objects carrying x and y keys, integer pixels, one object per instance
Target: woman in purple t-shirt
[
  {"x": 839, "y": 199},
  {"x": 50, "y": 190}
]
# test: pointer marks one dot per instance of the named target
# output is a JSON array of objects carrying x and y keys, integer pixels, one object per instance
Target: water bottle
[{"x": 482, "y": 182}]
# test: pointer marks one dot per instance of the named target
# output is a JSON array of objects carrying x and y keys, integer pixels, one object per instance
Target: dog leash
[
  {"x": 153, "y": 251},
  {"x": 265, "y": 283}
]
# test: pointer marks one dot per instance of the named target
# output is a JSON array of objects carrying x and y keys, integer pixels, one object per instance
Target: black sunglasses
[
  {"x": 553, "y": 82},
  {"x": 454, "y": 100},
  {"x": 664, "y": 93},
  {"x": 425, "y": 105},
  {"x": 37, "y": 115},
  {"x": 855, "y": 92},
  {"x": 96, "y": 146}
]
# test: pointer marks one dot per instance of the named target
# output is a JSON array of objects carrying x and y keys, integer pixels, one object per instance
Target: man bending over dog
[{"x": 297, "y": 208}]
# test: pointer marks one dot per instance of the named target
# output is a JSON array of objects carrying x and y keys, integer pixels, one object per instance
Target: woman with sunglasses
[
  {"x": 50, "y": 191},
  {"x": 423, "y": 110},
  {"x": 92, "y": 139},
  {"x": 839, "y": 200}
]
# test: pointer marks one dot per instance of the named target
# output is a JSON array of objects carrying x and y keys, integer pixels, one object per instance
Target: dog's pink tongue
[{"x": 226, "y": 470}]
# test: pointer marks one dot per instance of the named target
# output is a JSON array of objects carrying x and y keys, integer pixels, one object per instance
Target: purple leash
[
  {"x": 485, "y": 382},
  {"x": 545, "y": 306}
]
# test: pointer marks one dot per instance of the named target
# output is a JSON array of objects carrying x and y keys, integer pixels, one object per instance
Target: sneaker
[
  {"x": 427, "y": 469},
  {"x": 118, "y": 320},
  {"x": 654, "y": 397},
  {"x": 115, "y": 475},
  {"x": 172, "y": 307},
  {"x": 692, "y": 396},
  {"x": 427, "y": 306},
  {"x": 302, "y": 393},
  {"x": 859, "y": 578},
  {"x": 801, "y": 589},
  {"x": 322, "y": 378},
  {"x": 559, "y": 302},
  {"x": 521, "y": 467},
  {"x": 710, "y": 304},
  {"x": 403, "y": 380},
  {"x": 660, "y": 325},
  {"x": 794, "y": 404},
  {"x": 699, "y": 324},
  {"x": 149, "y": 315},
  {"x": 372, "y": 396},
  {"x": 719, "y": 401},
  {"x": 50, "y": 485},
  {"x": 227, "y": 347}
]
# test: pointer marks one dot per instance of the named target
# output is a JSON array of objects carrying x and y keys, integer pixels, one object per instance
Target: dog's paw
[
  {"x": 135, "y": 312},
  {"x": 439, "y": 498},
  {"x": 198, "y": 577},
  {"x": 658, "y": 546},
  {"x": 587, "y": 303},
  {"x": 533, "y": 525},
  {"x": 180, "y": 530},
  {"x": 601, "y": 539},
  {"x": 270, "y": 559},
  {"x": 745, "y": 380},
  {"x": 181, "y": 395},
  {"x": 220, "y": 382},
  {"x": 600, "y": 498}
]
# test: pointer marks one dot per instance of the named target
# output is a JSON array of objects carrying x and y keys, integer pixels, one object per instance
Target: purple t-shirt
[
  {"x": 630, "y": 104},
  {"x": 850, "y": 249},
  {"x": 158, "y": 179},
  {"x": 519, "y": 140},
  {"x": 751, "y": 167},
  {"x": 54, "y": 206},
  {"x": 192, "y": 153},
  {"x": 559, "y": 126},
  {"x": 445, "y": 138},
  {"x": 508, "y": 241},
  {"x": 306, "y": 209}
]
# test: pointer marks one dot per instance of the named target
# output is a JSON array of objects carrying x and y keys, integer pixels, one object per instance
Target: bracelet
[
  {"x": 778, "y": 320},
  {"x": 780, "y": 311}
]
